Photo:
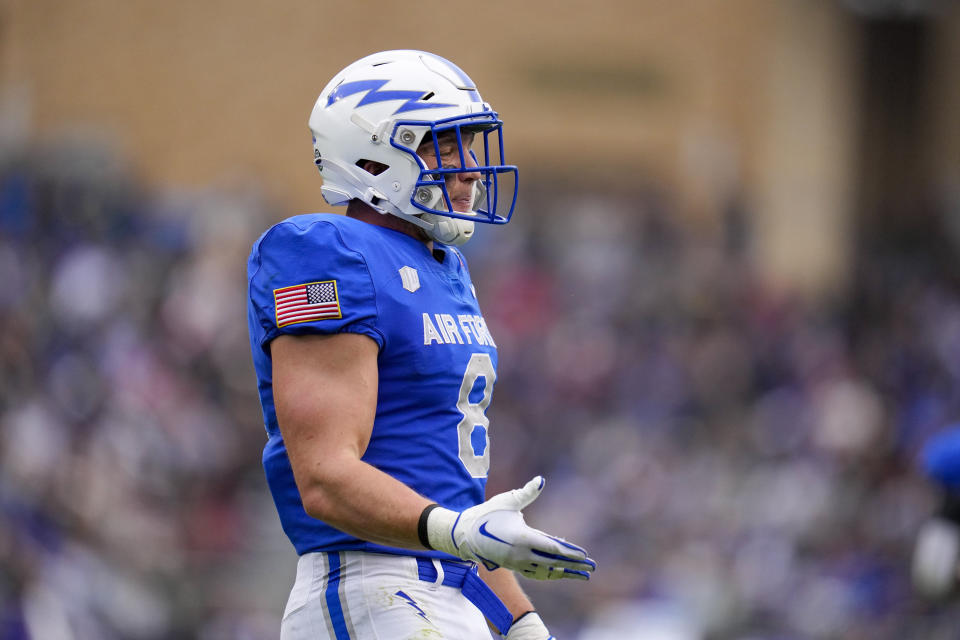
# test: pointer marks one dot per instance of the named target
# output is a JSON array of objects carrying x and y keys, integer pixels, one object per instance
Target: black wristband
[
  {"x": 422, "y": 525},
  {"x": 523, "y": 615}
]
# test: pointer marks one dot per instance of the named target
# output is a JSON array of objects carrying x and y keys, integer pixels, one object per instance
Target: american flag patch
[{"x": 306, "y": 302}]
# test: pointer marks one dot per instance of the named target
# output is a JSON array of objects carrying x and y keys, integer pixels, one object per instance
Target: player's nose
[{"x": 469, "y": 163}]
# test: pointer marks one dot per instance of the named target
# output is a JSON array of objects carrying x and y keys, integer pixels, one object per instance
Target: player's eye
[{"x": 450, "y": 156}]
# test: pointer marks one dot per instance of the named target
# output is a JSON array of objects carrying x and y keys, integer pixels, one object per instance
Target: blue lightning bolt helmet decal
[{"x": 412, "y": 99}]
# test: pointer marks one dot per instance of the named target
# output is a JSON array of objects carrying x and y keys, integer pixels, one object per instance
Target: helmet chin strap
[
  {"x": 453, "y": 231},
  {"x": 448, "y": 230}
]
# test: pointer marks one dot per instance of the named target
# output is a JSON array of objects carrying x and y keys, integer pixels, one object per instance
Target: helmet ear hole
[{"x": 372, "y": 167}]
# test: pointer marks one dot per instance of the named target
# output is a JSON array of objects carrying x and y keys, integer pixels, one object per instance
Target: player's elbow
[
  {"x": 317, "y": 504},
  {"x": 324, "y": 495}
]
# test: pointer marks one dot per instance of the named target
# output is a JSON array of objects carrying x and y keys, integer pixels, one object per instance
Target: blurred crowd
[
  {"x": 129, "y": 450},
  {"x": 739, "y": 460}
]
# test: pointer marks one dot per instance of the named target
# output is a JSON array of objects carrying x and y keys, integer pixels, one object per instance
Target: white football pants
[{"x": 370, "y": 596}]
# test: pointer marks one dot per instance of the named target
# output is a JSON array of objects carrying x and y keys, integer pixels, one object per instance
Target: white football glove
[
  {"x": 529, "y": 627},
  {"x": 495, "y": 535}
]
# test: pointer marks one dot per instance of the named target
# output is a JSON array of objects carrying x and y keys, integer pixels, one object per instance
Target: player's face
[{"x": 460, "y": 186}]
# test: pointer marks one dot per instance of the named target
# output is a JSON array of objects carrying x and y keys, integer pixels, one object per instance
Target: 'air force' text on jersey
[{"x": 443, "y": 328}]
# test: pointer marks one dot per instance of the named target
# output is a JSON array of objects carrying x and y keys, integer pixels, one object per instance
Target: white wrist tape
[
  {"x": 440, "y": 523},
  {"x": 529, "y": 627}
]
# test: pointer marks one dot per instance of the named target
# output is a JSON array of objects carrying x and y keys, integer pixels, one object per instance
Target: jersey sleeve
[{"x": 304, "y": 279}]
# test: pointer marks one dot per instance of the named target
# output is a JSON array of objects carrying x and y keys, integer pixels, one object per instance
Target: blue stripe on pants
[{"x": 333, "y": 598}]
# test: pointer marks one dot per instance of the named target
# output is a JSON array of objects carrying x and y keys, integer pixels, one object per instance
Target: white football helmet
[{"x": 380, "y": 109}]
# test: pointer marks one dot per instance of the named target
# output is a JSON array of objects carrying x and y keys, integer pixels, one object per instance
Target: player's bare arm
[{"x": 325, "y": 389}]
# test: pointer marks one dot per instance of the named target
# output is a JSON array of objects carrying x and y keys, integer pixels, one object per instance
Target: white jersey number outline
[{"x": 474, "y": 414}]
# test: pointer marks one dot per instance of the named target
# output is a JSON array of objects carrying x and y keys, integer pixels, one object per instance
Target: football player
[{"x": 375, "y": 368}]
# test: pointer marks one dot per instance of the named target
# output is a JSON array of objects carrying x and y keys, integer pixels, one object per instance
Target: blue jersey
[{"x": 327, "y": 274}]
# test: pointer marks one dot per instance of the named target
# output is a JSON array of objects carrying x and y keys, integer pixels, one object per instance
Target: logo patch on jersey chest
[{"x": 410, "y": 278}]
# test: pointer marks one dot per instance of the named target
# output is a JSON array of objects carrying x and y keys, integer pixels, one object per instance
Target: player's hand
[
  {"x": 494, "y": 534},
  {"x": 529, "y": 627}
]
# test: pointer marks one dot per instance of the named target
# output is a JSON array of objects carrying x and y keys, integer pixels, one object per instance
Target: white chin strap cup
[
  {"x": 441, "y": 228},
  {"x": 448, "y": 230},
  {"x": 453, "y": 231}
]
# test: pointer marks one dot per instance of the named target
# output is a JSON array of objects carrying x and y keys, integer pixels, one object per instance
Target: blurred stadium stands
[{"x": 735, "y": 443}]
